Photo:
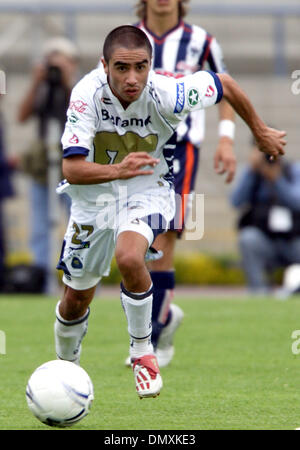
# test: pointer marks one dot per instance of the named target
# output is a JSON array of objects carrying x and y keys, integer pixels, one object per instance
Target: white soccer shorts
[{"x": 88, "y": 247}]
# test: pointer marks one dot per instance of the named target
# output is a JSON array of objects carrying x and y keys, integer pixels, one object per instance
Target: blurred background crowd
[{"x": 45, "y": 48}]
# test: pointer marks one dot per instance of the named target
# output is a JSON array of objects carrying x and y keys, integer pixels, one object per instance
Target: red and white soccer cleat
[{"x": 148, "y": 380}]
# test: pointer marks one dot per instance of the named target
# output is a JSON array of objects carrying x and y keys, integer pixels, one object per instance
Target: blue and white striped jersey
[{"x": 183, "y": 50}]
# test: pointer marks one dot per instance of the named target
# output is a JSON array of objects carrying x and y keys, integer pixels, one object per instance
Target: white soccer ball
[{"x": 59, "y": 393}]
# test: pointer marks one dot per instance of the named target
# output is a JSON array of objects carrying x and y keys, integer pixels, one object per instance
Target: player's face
[
  {"x": 127, "y": 72},
  {"x": 162, "y": 6}
]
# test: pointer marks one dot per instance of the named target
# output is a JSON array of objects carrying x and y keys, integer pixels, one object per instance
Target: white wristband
[{"x": 227, "y": 128}]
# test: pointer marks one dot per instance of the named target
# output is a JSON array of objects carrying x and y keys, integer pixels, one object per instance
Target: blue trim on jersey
[
  {"x": 205, "y": 50},
  {"x": 70, "y": 151},
  {"x": 188, "y": 122},
  {"x": 61, "y": 265},
  {"x": 211, "y": 63},
  {"x": 184, "y": 42},
  {"x": 218, "y": 85},
  {"x": 158, "y": 50}
]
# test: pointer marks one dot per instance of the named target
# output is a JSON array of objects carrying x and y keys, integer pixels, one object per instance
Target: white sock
[
  {"x": 138, "y": 310},
  {"x": 68, "y": 336}
]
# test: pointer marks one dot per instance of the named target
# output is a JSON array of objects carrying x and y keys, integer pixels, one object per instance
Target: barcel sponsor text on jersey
[{"x": 130, "y": 122}]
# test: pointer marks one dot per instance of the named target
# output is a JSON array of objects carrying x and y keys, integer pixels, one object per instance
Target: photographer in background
[
  {"x": 268, "y": 195},
  {"x": 46, "y": 102}
]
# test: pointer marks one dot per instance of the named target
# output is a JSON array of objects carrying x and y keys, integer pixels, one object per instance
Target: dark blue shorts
[{"x": 185, "y": 166}]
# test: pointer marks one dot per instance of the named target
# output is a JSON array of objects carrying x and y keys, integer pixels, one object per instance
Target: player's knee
[
  {"x": 73, "y": 295},
  {"x": 129, "y": 261}
]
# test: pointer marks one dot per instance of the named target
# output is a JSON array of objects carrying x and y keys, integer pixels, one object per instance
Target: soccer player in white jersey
[
  {"x": 117, "y": 125},
  {"x": 180, "y": 49}
]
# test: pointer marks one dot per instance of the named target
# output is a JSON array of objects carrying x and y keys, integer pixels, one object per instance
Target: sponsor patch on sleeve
[{"x": 180, "y": 98}]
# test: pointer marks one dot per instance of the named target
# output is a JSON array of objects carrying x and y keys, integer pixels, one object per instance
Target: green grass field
[{"x": 233, "y": 369}]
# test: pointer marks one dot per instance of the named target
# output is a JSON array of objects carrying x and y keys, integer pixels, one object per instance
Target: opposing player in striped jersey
[
  {"x": 118, "y": 123},
  {"x": 180, "y": 49}
]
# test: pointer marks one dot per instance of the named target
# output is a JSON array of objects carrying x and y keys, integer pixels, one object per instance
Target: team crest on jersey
[
  {"x": 180, "y": 98},
  {"x": 193, "y": 97},
  {"x": 73, "y": 118}
]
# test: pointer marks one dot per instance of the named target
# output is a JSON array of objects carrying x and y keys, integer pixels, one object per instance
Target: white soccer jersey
[
  {"x": 182, "y": 51},
  {"x": 101, "y": 129}
]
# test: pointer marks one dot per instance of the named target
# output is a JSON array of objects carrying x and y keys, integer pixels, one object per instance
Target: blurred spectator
[
  {"x": 6, "y": 190},
  {"x": 46, "y": 101},
  {"x": 268, "y": 193}
]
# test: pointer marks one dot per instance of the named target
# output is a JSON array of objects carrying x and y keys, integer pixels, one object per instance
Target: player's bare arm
[
  {"x": 269, "y": 140},
  {"x": 224, "y": 158},
  {"x": 79, "y": 171}
]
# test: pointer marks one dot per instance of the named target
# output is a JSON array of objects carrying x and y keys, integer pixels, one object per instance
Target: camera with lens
[{"x": 54, "y": 75}]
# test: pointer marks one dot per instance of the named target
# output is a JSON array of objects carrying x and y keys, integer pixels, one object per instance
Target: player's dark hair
[
  {"x": 126, "y": 36},
  {"x": 141, "y": 9}
]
